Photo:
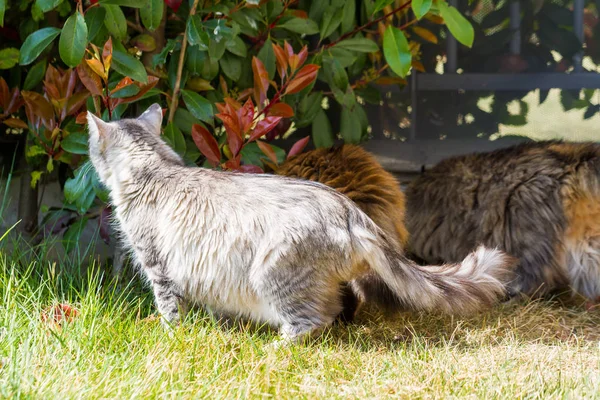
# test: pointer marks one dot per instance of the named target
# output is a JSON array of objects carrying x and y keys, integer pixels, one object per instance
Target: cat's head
[{"x": 128, "y": 143}]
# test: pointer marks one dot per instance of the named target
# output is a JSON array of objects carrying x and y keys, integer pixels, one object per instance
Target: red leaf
[
  {"x": 81, "y": 118},
  {"x": 97, "y": 67},
  {"x": 230, "y": 122},
  {"x": 261, "y": 82},
  {"x": 251, "y": 169},
  {"x": 144, "y": 88},
  {"x": 76, "y": 101},
  {"x": 122, "y": 83},
  {"x": 222, "y": 108},
  {"x": 263, "y": 127},
  {"x": 206, "y": 143},
  {"x": 232, "y": 128},
  {"x": 245, "y": 94},
  {"x": 15, "y": 102},
  {"x": 107, "y": 54},
  {"x": 267, "y": 150},
  {"x": 281, "y": 110},
  {"x": 233, "y": 164},
  {"x": 90, "y": 80},
  {"x": 4, "y": 94},
  {"x": 298, "y": 147},
  {"x": 234, "y": 104},
  {"x": 38, "y": 107},
  {"x": 58, "y": 314},
  {"x": 299, "y": 14},
  {"x": 296, "y": 61},
  {"x": 15, "y": 123},
  {"x": 288, "y": 49},
  {"x": 281, "y": 60},
  {"x": 173, "y": 4},
  {"x": 246, "y": 116},
  {"x": 303, "y": 78}
]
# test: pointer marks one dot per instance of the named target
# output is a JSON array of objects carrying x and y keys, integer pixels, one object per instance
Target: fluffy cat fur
[
  {"x": 272, "y": 249},
  {"x": 354, "y": 172},
  {"x": 539, "y": 202}
]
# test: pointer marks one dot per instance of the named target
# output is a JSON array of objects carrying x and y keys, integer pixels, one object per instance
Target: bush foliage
[{"x": 232, "y": 76}]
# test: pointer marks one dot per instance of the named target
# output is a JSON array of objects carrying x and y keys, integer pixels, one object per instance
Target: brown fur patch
[{"x": 354, "y": 172}]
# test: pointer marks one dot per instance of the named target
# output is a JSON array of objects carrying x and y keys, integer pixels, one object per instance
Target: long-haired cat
[
  {"x": 354, "y": 172},
  {"x": 539, "y": 202},
  {"x": 272, "y": 249}
]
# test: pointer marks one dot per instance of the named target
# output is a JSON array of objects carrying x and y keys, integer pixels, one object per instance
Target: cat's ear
[
  {"x": 153, "y": 117},
  {"x": 97, "y": 128}
]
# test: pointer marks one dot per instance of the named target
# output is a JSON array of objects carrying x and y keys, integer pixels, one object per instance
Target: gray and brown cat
[{"x": 540, "y": 202}]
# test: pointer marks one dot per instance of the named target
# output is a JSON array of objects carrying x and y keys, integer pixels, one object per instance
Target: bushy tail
[{"x": 475, "y": 283}]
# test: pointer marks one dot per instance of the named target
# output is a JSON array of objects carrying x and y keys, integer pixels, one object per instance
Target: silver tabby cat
[{"x": 272, "y": 249}]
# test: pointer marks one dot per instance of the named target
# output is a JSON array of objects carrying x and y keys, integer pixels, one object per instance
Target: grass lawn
[{"x": 115, "y": 348}]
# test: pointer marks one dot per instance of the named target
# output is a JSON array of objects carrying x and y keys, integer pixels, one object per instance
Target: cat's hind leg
[{"x": 304, "y": 300}]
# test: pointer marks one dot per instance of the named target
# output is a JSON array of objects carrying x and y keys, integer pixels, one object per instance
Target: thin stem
[
  {"x": 176, "y": 90},
  {"x": 135, "y": 26},
  {"x": 363, "y": 27}
]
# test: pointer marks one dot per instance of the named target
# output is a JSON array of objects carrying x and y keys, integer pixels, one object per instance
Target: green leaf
[
  {"x": 350, "y": 127},
  {"x": 198, "y": 106},
  {"x": 128, "y": 65},
  {"x": 381, "y": 4},
  {"x": 336, "y": 75},
  {"x": 332, "y": 18},
  {"x": 9, "y": 57},
  {"x": 267, "y": 56},
  {"x": 174, "y": 138},
  {"x": 115, "y": 21},
  {"x": 126, "y": 3},
  {"x": 231, "y": 66},
  {"x": 2, "y": 10},
  {"x": 421, "y": 7},
  {"x": 300, "y": 25},
  {"x": 322, "y": 134},
  {"x": 35, "y": 75},
  {"x": 216, "y": 49},
  {"x": 396, "y": 51},
  {"x": 345, "y": 58},
  {"x": 361, "y": 45},
  {"x": 72, "y": 236},
  {"x": 161, "y": 58},
  {"x": 73, "y": 40},
  {"x": 79, "y": 189},
  {"x": 36, "y": 43},
  {"x": 35, "y": 150},
  {"x": 348, "y": 16},
  {"x": 458, "y": 25},
  {"x": 252, "y": 154},
  {"x": 152, "y": 13},
  {"x": 237, "y": 47},
  {"x": 196, "y": 34},
  {"x": 76, "y": 143},
  {"x": 94, "y": 19},
  {"x": 47, "y": 5}
]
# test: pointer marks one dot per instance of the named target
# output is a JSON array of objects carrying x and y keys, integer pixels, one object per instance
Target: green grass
[{"x": 116, "y": 348}]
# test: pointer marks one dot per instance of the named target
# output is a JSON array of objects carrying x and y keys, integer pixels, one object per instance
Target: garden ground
[{"x": 114, "y": 347}]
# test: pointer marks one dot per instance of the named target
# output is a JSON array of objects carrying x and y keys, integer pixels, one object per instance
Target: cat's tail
[{"x": 475, "y": 283}]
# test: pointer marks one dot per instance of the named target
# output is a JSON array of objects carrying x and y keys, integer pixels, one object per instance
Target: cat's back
[{"x": 354, "y": 172}]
